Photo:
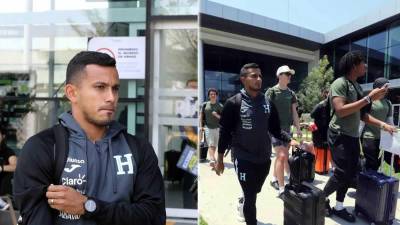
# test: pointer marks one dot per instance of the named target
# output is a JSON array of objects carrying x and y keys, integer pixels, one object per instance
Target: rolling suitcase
[
  {"x": 301, "y": 165},
  {"x": 303, "y": 204},
  {"x": 376, "y": 196},
  {"x": 322, "y": 160},
  {"x": 203, "y": 149}
]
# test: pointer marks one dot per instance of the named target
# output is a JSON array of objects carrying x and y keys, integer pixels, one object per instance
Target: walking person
[
  {"x": 371, "y": 135},
  {"x": 249, "y": 137},
  {"x": 348, "y": 104},
  {"x": 107, "y": 176},
  {"x": 285, "y": 101},
  {"x": 209, "y": 117}
]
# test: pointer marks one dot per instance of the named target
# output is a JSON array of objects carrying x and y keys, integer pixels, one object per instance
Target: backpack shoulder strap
[
  {"x": 273, "y": 94},
  {"x": 238, "y": 99},
  {"x": 203, "y": 106},
  {"x": 133, "y": 146},
  {"x": 60, "y": 150}
]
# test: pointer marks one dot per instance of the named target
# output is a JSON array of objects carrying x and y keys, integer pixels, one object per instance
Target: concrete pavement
[{"x": 218, "y": 197}]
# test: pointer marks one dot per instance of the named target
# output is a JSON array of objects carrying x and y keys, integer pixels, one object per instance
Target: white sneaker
[{"x": 240, "y": 210}]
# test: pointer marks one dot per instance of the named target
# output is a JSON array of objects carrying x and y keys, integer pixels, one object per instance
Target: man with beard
[
  {"x": 109, "y": 176},
  {"x": 249, "y": 138}
]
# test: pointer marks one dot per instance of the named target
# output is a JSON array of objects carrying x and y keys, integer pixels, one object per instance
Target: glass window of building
[
  {"x": 361, "y": 45},
  {"x": 340, "y": 51},
  {"x": 175, "y": 7},
  {"x": 174, "y": 108},
  {"x": 224, "y": 75},
  {"x": 394, "y": 51},
  {"x": 376, "y": 55}
]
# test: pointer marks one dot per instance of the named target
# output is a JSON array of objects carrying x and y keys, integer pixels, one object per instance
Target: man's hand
[
  {"x": 219, "y": 167},
  {"x": 66, "y": 199},
  {"x": 379, "y": 93},
  {"x": 219, "y": 164}
]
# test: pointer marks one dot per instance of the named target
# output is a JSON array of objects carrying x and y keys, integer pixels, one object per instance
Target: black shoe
[
  {"x": 344, "y": 215},
  {"x": 275, "y": 185},
  {"x": 328, "y": 209}
]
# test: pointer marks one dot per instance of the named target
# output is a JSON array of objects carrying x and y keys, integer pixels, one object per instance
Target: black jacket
[
  {"x": 36, "y": 171},
  {"x": 246, "y": 124}
]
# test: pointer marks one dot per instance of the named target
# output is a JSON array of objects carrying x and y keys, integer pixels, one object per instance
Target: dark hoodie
[
  {"x": 246, "y": 126},
  {"x": 126, "y": 190}
]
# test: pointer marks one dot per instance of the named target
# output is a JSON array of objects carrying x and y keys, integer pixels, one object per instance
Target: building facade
[
  {"x": 249, "y": 37},
  {"x": 38, "y": 38}
]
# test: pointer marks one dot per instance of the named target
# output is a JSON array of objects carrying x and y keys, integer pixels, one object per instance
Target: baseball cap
[
  {"x": 379, "y": 82},
  {"x": 284, "y": 69}
]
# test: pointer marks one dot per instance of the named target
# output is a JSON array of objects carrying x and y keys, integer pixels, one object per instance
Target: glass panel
[
  {"x": 360, "y": 45},
  {"x": 340, "y": 51},
  {"x": 229, "y": 85},
  {"x": 178, "y": 58},
  {"x": 178, "y": 111},
  {"x": 175, "y": 7},
  {"x": 394, "y": 62},
  {"x": 394, "y": 51},
  {"x": 394, "y": 35},
  {"x": 376, "y": 56}
]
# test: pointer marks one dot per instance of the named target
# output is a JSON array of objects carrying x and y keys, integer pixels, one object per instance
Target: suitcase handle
[{"x": 383, "y": 159}]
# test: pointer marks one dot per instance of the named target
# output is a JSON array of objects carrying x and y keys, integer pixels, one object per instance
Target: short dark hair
[
  {"x": 84, "y": 58},
  {"x": 349, "y": 60},
  {"x": 212, "y": 90},
  {"x": 243, "y": 71}
]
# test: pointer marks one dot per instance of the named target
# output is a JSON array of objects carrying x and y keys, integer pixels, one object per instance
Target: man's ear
[
  {"x": 71, "y": 92},
  {"x": 242, "y": 79}
]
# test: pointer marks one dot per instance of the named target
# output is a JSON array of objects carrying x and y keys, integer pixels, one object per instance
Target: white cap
[{"x": 284, "y": 69}]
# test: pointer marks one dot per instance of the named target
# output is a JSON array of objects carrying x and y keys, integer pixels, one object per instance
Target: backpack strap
[
  {"x": 60, "y": 151},
  {"x": 273, "y": 94},
  {"x": 133, "y": 146}
]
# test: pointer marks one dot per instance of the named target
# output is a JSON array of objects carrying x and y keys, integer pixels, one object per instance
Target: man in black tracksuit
[
  {"x": 108, "y": 177},
  {"x": 246, "y": 121}
]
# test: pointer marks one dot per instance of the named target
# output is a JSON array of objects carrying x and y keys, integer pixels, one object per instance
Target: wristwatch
[
  {"x": 90, "y": 206},
  {"x": 368, "y": 99},
  {"x": 382, "y": 126}
]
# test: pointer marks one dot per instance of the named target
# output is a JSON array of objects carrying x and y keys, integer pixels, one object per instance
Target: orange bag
[{"x": 322, "y": 160}]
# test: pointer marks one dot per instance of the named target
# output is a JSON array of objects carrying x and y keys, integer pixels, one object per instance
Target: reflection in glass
[
  {"x": 360, "y": 45},
  {"x": 175, "y": 7},
  {"x": 394, "y": 61},
  {"x": 376, "y": 56},
  {"x": 178, "y": 111},
  {"x": 340, "y": 51},
  {"x": 178, "y": 58},
  {"x": 394, "y": 51}
]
